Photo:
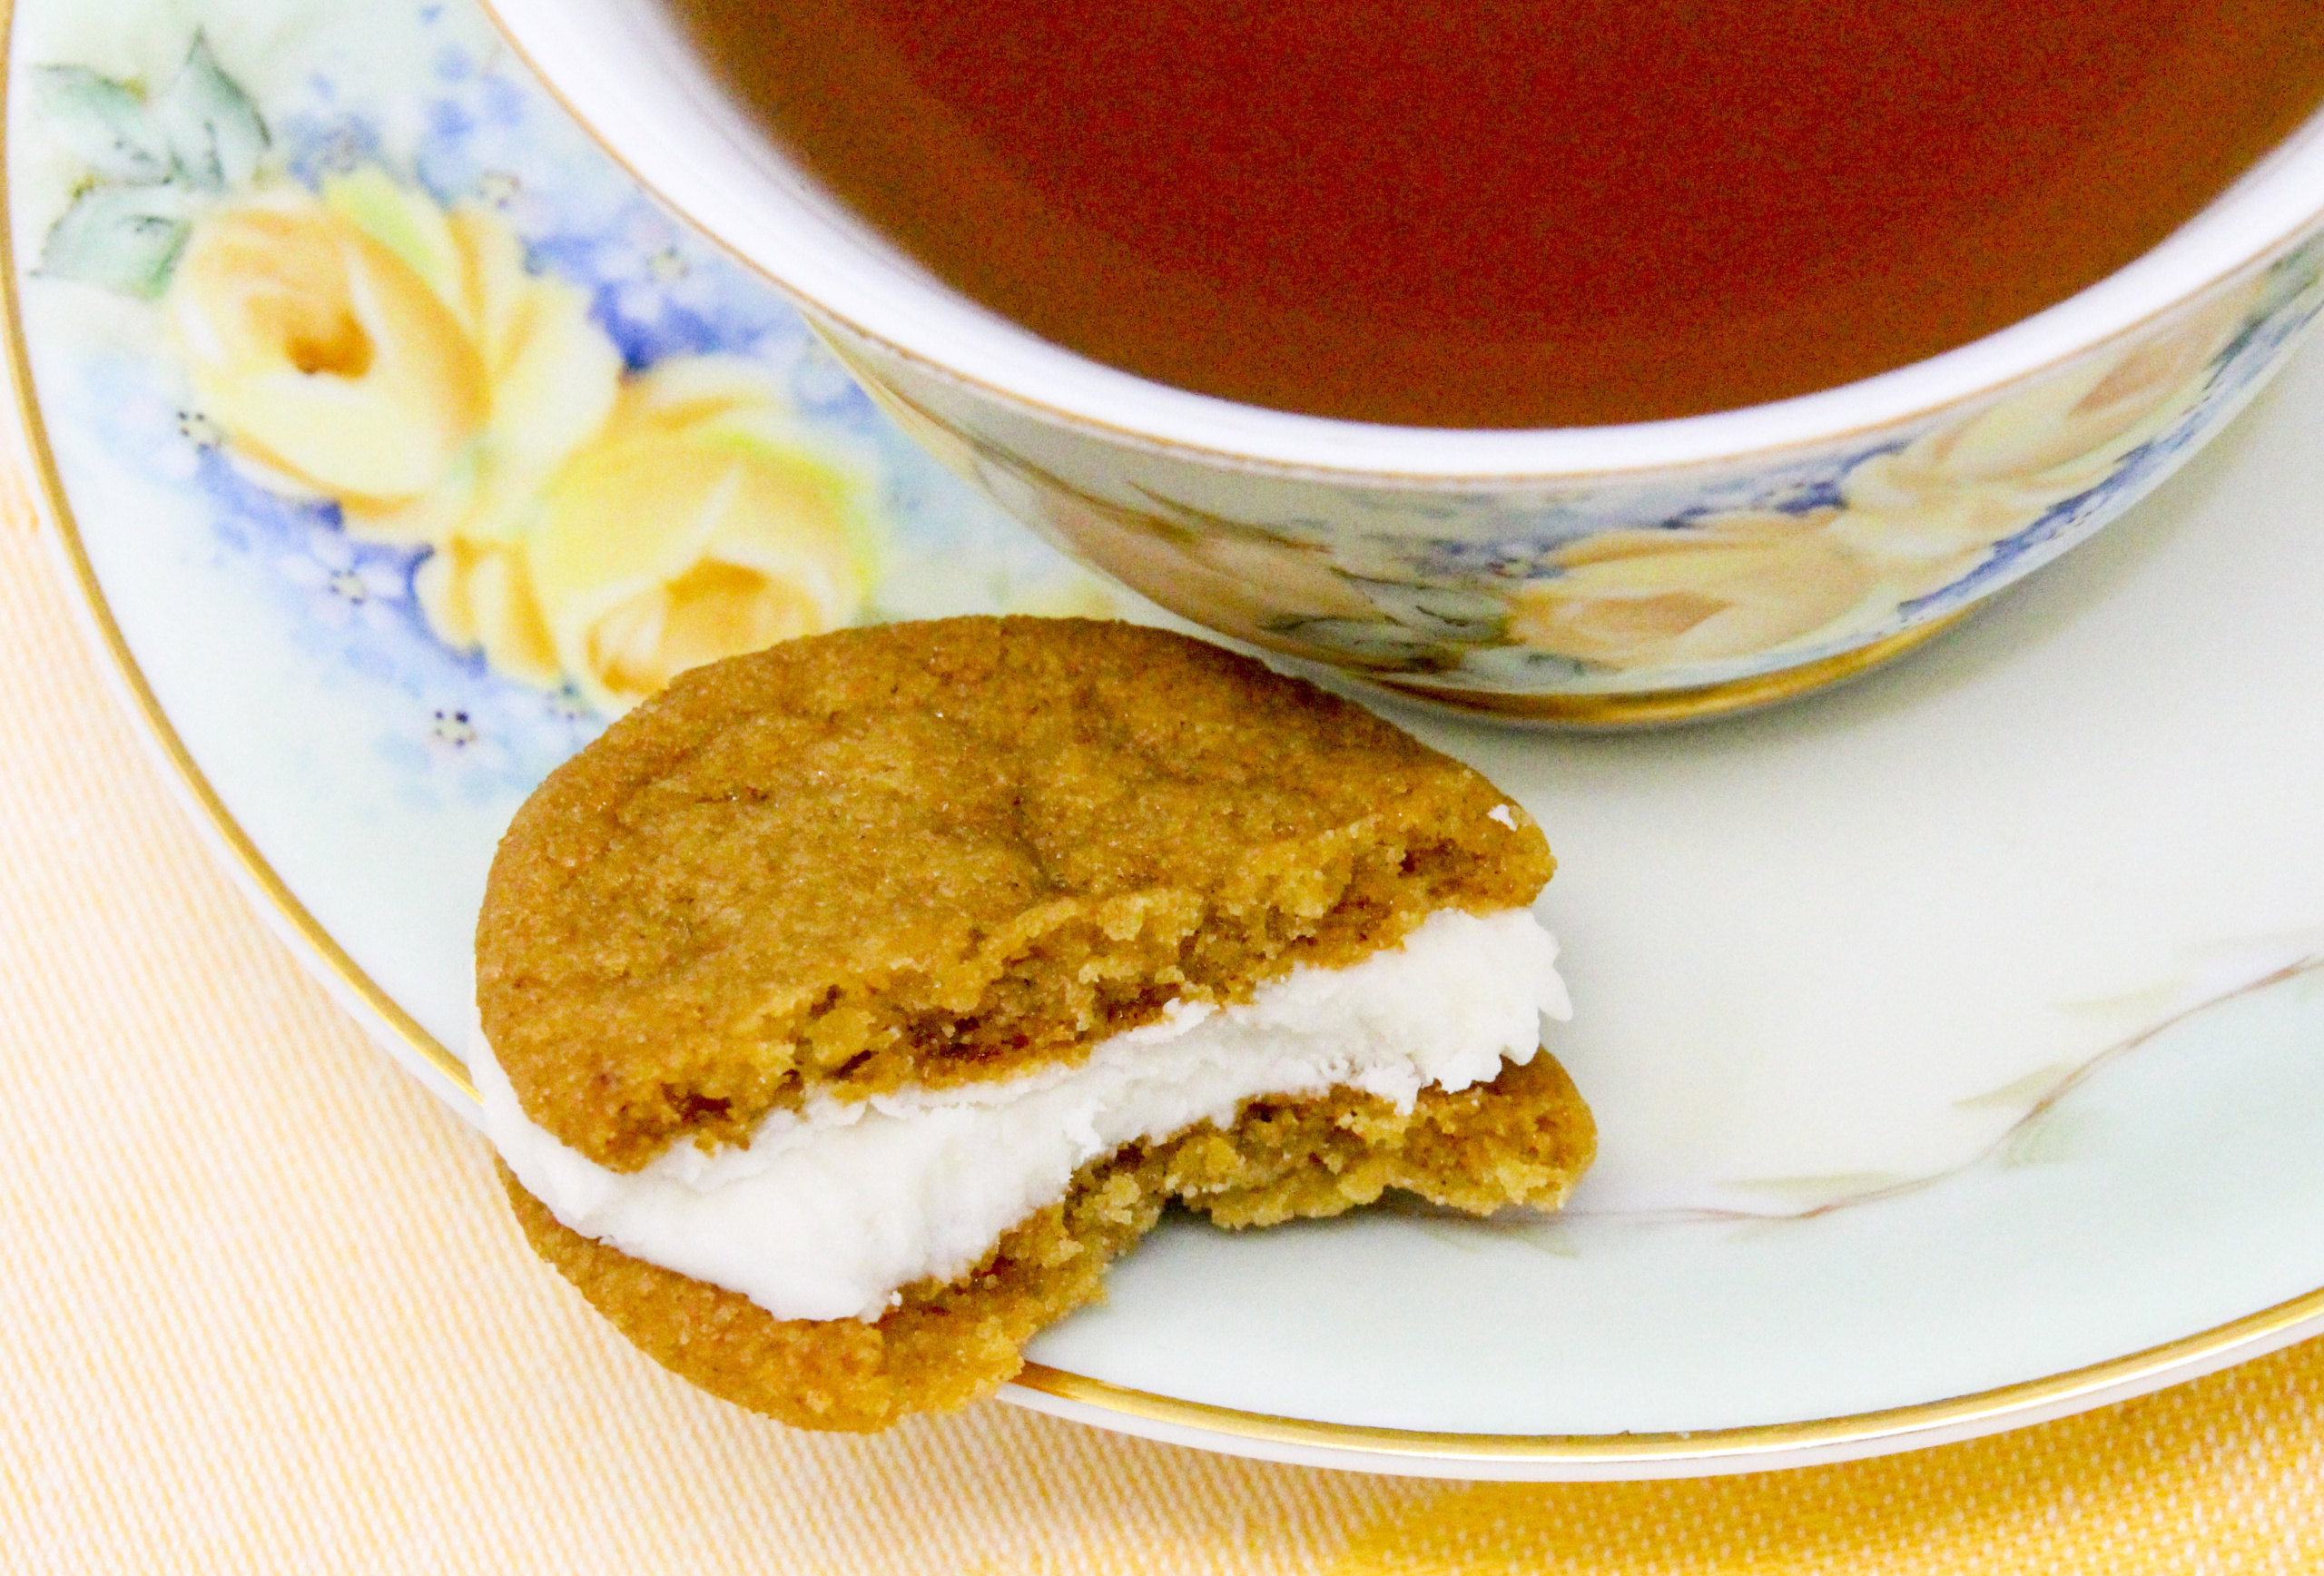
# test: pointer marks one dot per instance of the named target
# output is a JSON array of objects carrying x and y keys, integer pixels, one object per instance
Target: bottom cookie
[{"x": 1523, "y": 1139}]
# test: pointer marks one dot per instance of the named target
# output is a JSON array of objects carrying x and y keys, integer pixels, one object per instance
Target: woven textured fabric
[
  {"x": 264, "y": 1311},
  {"x": 2224, "y": 1474}
]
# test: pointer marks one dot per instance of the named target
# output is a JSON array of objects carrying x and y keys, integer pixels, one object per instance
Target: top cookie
[{"x": 945, "y": 853}]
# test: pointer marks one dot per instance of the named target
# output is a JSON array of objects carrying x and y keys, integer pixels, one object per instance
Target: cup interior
[{"x": 633, "y": 80}]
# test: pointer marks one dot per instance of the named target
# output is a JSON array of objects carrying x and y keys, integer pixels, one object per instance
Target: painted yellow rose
[
  {"x": 699, "y": 524},
  {"x": 1240, "y": 583},
  {"x": 1740, "y": 583},
  {"x": 1229, "y": 578},
  {"x": 1930, "y": 510},
  {"x": 477, "y": 595},
  {"x": 367, "y": 346},
  {"x": 1912, "y": 521}
]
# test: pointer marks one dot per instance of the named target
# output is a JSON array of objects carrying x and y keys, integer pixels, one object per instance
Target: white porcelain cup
[{"x": 1600, "y": 576}]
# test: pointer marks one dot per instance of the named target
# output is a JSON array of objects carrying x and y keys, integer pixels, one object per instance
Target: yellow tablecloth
[{"x": 262, "y": 1309}]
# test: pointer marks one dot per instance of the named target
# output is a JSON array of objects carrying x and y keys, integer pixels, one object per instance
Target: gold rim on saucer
[{"x": 1718, "y": 1449}]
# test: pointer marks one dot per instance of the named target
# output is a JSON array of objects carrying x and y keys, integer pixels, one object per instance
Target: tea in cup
[{"x": 1541, "y": 355}]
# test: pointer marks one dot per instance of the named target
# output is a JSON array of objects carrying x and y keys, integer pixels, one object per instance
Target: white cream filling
[{"x": 831, "y": 1209}]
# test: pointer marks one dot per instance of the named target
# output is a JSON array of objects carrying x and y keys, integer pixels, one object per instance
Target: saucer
[{"x": 1954, "y": 1035}]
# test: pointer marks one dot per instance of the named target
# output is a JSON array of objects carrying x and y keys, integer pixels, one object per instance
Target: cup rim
[{"x": 632, "y": 84}]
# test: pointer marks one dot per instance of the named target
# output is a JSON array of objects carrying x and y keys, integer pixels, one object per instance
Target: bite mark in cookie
[{"x": 900, "y": 943}]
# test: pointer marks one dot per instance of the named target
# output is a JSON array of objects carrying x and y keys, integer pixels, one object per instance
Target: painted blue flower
[{"x": 343, "y": 584}]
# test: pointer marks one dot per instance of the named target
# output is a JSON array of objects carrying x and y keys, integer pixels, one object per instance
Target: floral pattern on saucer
[{"x": 498, "y": 423}]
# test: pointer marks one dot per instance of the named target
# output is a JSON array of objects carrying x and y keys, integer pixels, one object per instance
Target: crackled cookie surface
[
  {"x": 849, "y": 1006},
  {"x": 942, "y": 852}
]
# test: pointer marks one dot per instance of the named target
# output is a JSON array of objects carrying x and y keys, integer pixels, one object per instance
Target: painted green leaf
[
  {"x": 123, "y": 238},
  {"x": 104, "y": 122},
  {"x": 214, "y": 132},
  {"x": 1457, "y": 615},
  {"x": 1519, "y": 667}
]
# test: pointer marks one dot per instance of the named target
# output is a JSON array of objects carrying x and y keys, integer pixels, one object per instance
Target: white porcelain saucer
[{"x": 1957, "y": 1037}]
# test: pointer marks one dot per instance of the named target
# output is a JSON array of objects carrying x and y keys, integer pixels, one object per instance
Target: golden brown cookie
[
  {"x": 954, "y": 856},
  {"x": 933, "y": 853}
]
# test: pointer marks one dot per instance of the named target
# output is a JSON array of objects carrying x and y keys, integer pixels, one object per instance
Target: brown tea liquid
[{"x": 1519, "y": 212}]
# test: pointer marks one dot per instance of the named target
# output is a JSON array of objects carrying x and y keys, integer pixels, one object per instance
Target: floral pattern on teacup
[
  {"x": 1735, "y": 585},
  {"x": 1911, "y": 521},
  {"x": 1656, "y": 581}
]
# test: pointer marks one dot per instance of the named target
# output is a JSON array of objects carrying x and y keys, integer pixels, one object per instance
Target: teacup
[{"x": 1600, "y": 577}]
